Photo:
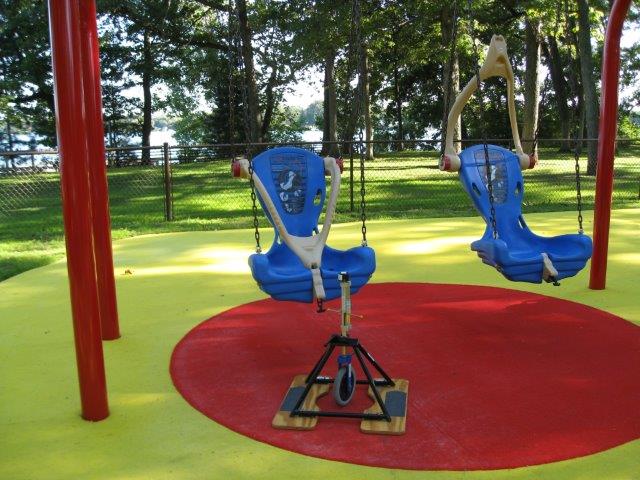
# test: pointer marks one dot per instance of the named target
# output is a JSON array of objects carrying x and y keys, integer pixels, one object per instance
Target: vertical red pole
[
  {"x": 606, "y": 145},
  {"x": 101, "y": 225},
  {"x": 64, "y": 26}
]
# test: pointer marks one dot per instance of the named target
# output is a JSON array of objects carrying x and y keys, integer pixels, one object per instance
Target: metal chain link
[
  {"x": 232, "y": 89},
  {"x": 487, "y": 162},
  {"x": 576, "y": 155},
  {"x": 247, "y": 129},
  {"x": 355, "y": 49},
  {"x": 363, "y": 204},
  {"x": 578, "y": 135},
  {"x": 447, "y": 94},
  {"x": 254, "y": 208}
]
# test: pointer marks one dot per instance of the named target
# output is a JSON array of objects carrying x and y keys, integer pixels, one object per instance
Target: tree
[
  {"x": 591, "y": 102},
  {"x": 450, "y": 71},
  {"x": 531, "y": 84},
  {"x": 121, "y": 112},
  {"x": 160, "y": 36},
  {"x": 319, "y": 31},
  {"x": 556, "y": 66},
  {"x": 251, "y": 89},
  {"x": 26, "y": 81},
  {"x": 286, "y": 126}
]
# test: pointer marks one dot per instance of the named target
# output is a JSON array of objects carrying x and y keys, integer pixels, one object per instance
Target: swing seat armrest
[
  {"x": 527, "y": 162},
  {"x": 240, "y": 168},
  {"x": 449, "y": 162},
  {"x": 328, "y": 164}
]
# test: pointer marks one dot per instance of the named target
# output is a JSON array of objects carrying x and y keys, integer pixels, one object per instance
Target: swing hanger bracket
[{"x": 496, "y": 64}]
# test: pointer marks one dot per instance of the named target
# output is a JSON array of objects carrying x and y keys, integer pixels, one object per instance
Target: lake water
[
  {"x": 314, "y": 135},
  {"x": 158, "y": 137}
]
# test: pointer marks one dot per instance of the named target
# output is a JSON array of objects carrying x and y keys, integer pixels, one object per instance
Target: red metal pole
[
  {"x": 101, "y": 225},
  {"x": 64, "y": 29},
  {"x": 606, "y": 145}
]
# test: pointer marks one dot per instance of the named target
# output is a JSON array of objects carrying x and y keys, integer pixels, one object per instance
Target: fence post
[
  {"x": 351, "y": 178},
  {"x": 168, "y": 187}
]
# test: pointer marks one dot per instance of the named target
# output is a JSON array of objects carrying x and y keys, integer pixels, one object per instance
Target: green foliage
[
  {"x": 26, "y": 85},
  {"x": 629, "y": 126},
  {"x": 190, "y": 66},
  {"x": 311, "y": 115},
  {"x": 121, "y": 112},
  {"x": 287, "y": 125}
]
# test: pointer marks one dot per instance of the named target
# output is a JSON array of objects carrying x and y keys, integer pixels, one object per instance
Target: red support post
[
  {"x": 606, "y": 145},
  {"x": 73, "y": 148},
  {"x": 101, "y": 220}
]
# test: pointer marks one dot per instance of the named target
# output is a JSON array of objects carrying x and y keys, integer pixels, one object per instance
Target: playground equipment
[
  {"x": 290, "y": 185},
  {"x": 76, "y": 82},
  {"x": 492, "y": 177},
  {"x": 388, "y": 415},
  {"x": 607, "y": 131},
  {"x": 299, "y": 266}
]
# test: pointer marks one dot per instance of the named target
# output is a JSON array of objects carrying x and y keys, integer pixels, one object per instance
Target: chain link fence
[{"x": 190, "y": 187}]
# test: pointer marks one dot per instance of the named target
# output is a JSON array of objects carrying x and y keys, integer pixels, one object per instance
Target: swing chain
[
  {"x": 239, "y": 63},
  {"x": 232, "y": 88},
  {"x": 576, "y": 155},
  {"x": 447, "y": 94},
  {"x": 487, "y": 162},
  {"x": 579, "y": 131},
  {"x": 356, "y": 50},
  {"x": 254, "y": 208},
  {"x": 363, "y": 204}
]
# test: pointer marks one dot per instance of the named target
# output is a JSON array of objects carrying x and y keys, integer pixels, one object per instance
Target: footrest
[
  {"x": 395, "y": 400},
  {"x": 284, "y": 420}
]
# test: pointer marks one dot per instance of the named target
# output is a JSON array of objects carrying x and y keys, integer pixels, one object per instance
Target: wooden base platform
[
  {"x": 395, "y": 399},
  {"x": 284, "y": 420}
]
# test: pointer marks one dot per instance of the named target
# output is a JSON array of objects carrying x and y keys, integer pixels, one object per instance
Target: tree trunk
[
  {"x": 368, "y": 126},
  {"x": 588, "y": 83},
  {"x": 359, "y": 105},
  {"x": 330, "y": 117},
  {"x": 575, "y": 85},
  {"x": 398, "y": 100},
  {"x": 270, "y": 101},
  {"x": 253, "y": 106},
  {"x": 450, "y": 77},
  {"x": 147, "y": 68},
  {"x": 531, "y": 84},
  {"x": 552, "y": 54}
]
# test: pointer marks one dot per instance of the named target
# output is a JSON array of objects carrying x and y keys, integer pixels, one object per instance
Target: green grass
[{"x": 399, "y": 185}]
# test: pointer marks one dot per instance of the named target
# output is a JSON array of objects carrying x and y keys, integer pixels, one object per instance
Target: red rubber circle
[{"x": 498, "y": 378}]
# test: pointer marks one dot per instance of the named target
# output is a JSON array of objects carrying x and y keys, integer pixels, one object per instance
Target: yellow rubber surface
[{"x": 182, "y": 279}]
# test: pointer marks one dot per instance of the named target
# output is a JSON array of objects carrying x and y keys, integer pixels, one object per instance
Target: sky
[{"x": 307, "y": 90}]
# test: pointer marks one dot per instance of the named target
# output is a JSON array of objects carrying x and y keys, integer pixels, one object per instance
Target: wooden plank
[
  {"x": 395, "y": 399},
  {"x": 284, "y": 420}
]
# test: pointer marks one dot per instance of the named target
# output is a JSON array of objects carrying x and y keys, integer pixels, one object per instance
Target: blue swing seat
[
  {"x": 295, "y": 181},
  {"x": 517, "y": 252}
]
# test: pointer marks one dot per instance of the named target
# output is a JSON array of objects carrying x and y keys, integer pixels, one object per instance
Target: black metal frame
[{"x": 315, "y": 378}]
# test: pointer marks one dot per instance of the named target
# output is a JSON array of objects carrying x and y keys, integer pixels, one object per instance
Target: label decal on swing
[
  {"x": 289, "y": 175},
  {"x": 498, "y": 173}
]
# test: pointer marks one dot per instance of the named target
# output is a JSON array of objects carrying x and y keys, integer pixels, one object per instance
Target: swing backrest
[
  {"x": 294, "y": 178},
  {"x": 507, "y": 182}
]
